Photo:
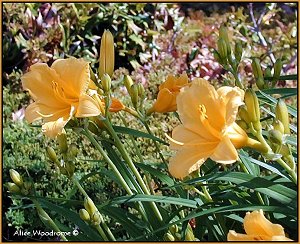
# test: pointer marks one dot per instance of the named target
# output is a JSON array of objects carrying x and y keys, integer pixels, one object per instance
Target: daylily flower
[
  {"x": 208, "y": 127},
  {"x": 168, "y": 91},
  {"x": 59, "y": 92},
  {"x": 258, "y": 228}
]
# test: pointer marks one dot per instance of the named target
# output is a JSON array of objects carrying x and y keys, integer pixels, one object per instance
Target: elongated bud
[
  {"x": 277, "y": 125},
  {"x": 70, "y": 167},
  {"x": 16, "y": 177},
  {"x": 92, "y": 76},
  {"x": 222, "y": 49},
  {"x": 96, "y": 218},
  {"x": 223, "y": 33},
  {"x": 260, "y": 83},
  {"x": 128, "y": 82},
  {"x": 244, "y": 114},
  {"x": 134, "y": 93},
  {"x": 268, "y": 72},
  {"x": 90, "y": 206},
  {"x": 174, "y": 229},
  {"x": 169, "y": 237},
  {"x": 62, "y": 142},
  {"x": 107, "y": 54},
  {"x": 257, "y": 71},
  {"x": 13, "y": 188},
  {"x": 277, "y": 69},
  {"x": 84, "y": 215},
  {"x": 282, "y": 114},
  {"x": 189, "y": 236},
  {"x": 238, "y": 51},
  {"x": 242, "y": 124},
  {"x": 252, "y": 104},
  {"x": 275, "y": 136},
  {"x": 141, "y": 90},
  {"x": 217, "y": 56},
  {"x": 106, "y": 82},
  {"x": 51, "y": 154},
  {"x": 73, "y": 150}
]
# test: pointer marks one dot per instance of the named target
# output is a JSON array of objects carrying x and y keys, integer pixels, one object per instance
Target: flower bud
[
  {"x": 106, "y": 82},
  {"x": 256, "y": 68},
  {"x": 252, "y": 104},
  {"x": 84, "y": 215},
  {"x": 62, "y": 142},
  {"x": 223, "y": 33},
  {"x": 168, "y": 237},
  {"x": 73, "y": 150},
  {"x": 107, "y": 54},
  {"x": 275, "y": 136},
  {"x": 277, "y": 69},
  {"x": 70, "y": 167},
  {"x": 217, "y": 56},
  {"x": 268, "y": 72},
  {"x": 282, "y": 114},
  {"x": 128, "y": 82},
  {"x": 13, "y": 188},
  {"x": 238, "y": 51},
  {"x": 27, "y": 185},
  {"x": 92, "y": 76},
  {"x": 260, "y": 83},
  {"x": 277, "y": 125},
  {"x": 141, "y": 90},
  {"x": 242, "y": 124},
  {"x": 90, "y": 206},
  {"x": 51, "y": 154},
  {"x": 134, "y": 93},
  {"x": 243, "y": 113},
  {"x": 96, "y": 218},
  {"x": 16, "y": 177},
  {"x": 189, "y": 236},
  {"x": 174, "y": 229},
  {"x": 222, "y": 49}
]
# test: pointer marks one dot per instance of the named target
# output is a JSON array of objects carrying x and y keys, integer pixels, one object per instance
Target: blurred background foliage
[{"x": 152, "y": 40}]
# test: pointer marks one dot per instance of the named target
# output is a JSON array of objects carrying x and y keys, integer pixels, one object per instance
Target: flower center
[{"x": 202, "y": 111}]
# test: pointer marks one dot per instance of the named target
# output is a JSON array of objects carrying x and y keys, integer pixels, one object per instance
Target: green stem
[
  {"x": 131, "y": 165},
  {"x": 101, "y": 232},
  {"x": 45, "y": 217},
  {"x": 291, "y": 172}
]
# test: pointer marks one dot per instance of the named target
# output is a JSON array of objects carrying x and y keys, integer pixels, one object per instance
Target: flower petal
[
  {"x": 187, "y": 160},
  {"x": 225, "y": 152},
  {"x": 255, "y": 223},
  {"x": 116, "y": 105},
  {"x": 74, "y": 75},
  {"x": 166, "y": 101},
  {"x": 237, "y": 135},
  {"x": 87, "y": 107},
  {"x": 31, "y": 112},
  {"x": 233, "y": 236}
]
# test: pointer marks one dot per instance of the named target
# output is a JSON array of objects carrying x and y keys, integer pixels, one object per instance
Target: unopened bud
[
  {"x": 275, "y": 136},
  {"x": 238, "y": 51},
  {"x": 277, "y": 125},
  {"x": 252, "y": 104},
  {"x": 189, "y": 236},
  {"x": 277, "y": 69},
  {"x": 134, "y": 94},
  {"x": 260, "y": 83},
  {"x": 62, "y": 142},
  {"x": 282, "y": 114},
  {"x": 268, "y": 72},
  {"x": 92, "y": 76},
  {"x": 174, "y": 229},
  {"x": 51, "y": 154},
  {"x": 27, "y": 185},
  {"x": 141, "y": 90},
  {"x": 96, "y": 218},
  {"x": 222, "y": 49},
  {"x": 256, "y": 68},
  {"x": 16, "y": 177},
  {"x": 242, "y": 124},
  {"x": 70, "y": 167},
  {"x": 107, "y": 54},
  {"x": 244, "y": 114},
  {"x": 84, "y": 215},
  {"x": 13, "y": 188},
  {"x": 217, "y": 56},
  {"x": 168, "y": 237},
  {"x": 106, "y": 82},
  {"x": 73, "y": 150},
  {"x": 90, "y": 206},
  {"x": 128, "y": 82},
  {"x": 223, "y": 33}
]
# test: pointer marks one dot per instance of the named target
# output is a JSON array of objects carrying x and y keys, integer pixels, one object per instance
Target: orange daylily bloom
[
  {"x": 168, "y": 91},
  {"x": 116, "y": 105},
  {"x": 258, "y": 228},
  {"x": 59, "y": 92},
  {"x": 208, "y": 127}
]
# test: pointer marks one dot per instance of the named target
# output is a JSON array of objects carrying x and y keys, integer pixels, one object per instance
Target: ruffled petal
[
  {"x": 87, "y": 107},
  {"x": 233, "y": 236},
  {"x": 255, "y": 223},
  {"x": 31, "y": 112},
  {"x": 237, "y": 135},
  {"x": 225, "y": 152},
  {"x": 166, "y": 101},
  {"x": 74, "y": 75}
]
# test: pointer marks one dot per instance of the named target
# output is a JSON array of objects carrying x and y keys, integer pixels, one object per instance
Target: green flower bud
[
  {"x": 62, "y": 142},
  {"x": 107, "y": 54},
  {"x": 73, "y": 150},
  {"x": 96, "y": 218},
  {"x": 217, "y": 56},
  {"x": 238, "y": 51},
  {"x": 174, "y": 229},
  {"x": 106, "y": 82},
  {"x": 277, "y": 125},
  {"x": 141, "y": 90},
  {"x": 222, "y": 49},
  {"x": 268, "y": 72},
  {"x": 70, "y": 168},
  {"x": 257, "y": 71},
  {"x": 51, "y": 154},
  {"x": 134, "y": 93},
  {"x": 84, "y": 215},
  {"x": 242, "y": 124},
  {"x": 260, "y": 83},
  {"x": 90, "y": 206},
  {"x": 252, "y": 104},
  {"x": 275, "y": 136},
  {"x": 16, "y": 177},
  {"x": 168, "y": 237},
  {"x": 282, "y": 114},
  {"x": 189, "y": 236},
  {"x": 13, "y": 188},
  {"x": 92, "y": 75},
  {"x": 27, "y": 185},
  {"x": 223, "y": 33},
  {"x": 128, "y": 82},
  {"x": 244, "y": 114},
  {"x": 277, "y": 69}
]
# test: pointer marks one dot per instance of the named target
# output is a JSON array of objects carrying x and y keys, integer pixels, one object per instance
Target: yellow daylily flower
[
  {"x": 258, "y": 228},
  {"x": 59, "y": 92},
  {"x": 168, "y": 91},
  {"x": 208, "y": 127}
]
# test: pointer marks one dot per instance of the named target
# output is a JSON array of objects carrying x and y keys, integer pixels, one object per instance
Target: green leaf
[
  {"x": 284, "y": 77},
  {"x": 286, "y": 92}
]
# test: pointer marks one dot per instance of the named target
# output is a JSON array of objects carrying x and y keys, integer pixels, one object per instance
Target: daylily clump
[
  {"x": 59, "y": 92},
  {"x": 168, "y": 91},
  {"x": 208, "y": 127},
  {"x": 258, "y": 228}
]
